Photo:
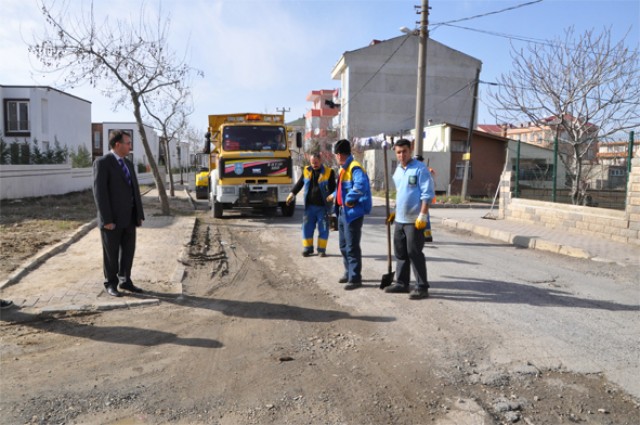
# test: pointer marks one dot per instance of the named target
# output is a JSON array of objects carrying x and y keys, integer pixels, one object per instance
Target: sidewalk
[
  {"x": 558, "y": 241},
  {"x": 68, "y": 277}
]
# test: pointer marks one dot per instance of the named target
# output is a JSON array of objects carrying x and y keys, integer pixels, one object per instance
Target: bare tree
[
  {"x": 169, "y": 108},
  {"x": 127, "y": 61},
  {"x": 583, "y": 87}
]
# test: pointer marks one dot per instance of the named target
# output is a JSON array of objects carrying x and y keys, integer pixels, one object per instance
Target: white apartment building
[{"x": 379, "y": 84}]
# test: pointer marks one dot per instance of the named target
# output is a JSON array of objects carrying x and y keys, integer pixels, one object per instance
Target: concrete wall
[
  {"x": 620, "y": 226},
  {"x": 26, "y": 181}
]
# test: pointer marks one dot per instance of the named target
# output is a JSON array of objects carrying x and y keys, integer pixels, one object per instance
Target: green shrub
[{"x": 81, "y": 158}]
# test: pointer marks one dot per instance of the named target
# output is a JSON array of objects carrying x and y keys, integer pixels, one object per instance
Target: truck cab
[{"x": 251, "y": 164}]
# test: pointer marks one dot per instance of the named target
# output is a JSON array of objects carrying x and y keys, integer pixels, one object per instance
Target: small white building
[{"x": 45, "y": 114}]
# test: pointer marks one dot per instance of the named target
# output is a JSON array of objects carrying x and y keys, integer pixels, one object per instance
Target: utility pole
[
  {"x": 422, "y": 74},
  {"x": 467, "y": 155},
  {"x": 282, "y": 111}
]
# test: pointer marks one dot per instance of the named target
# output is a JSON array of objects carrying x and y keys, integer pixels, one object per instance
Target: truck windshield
[{"x": 254, "y": 138}]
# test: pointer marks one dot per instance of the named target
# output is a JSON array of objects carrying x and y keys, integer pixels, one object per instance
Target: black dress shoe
[
  {"x": 343, "y": 279},
  {"x": 112, "y": 290},
  {"x": 129, "y": 286}
]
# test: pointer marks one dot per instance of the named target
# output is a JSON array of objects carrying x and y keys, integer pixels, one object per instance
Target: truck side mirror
[
  {"x": 207, "y": 143},
  {"x": 298, "y": 140}
]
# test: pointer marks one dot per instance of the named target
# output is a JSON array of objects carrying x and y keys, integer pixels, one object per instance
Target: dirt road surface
[{"x": 264, "y": 336}]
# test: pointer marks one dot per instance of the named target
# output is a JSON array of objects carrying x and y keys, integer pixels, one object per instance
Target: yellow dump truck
[{"x": 250, "y": 162}]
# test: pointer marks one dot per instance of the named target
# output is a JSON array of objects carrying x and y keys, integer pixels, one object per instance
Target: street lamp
[{"x": 423, "y": 33}]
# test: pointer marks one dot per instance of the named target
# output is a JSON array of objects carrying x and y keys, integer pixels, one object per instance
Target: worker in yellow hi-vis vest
[{"x": 318, "y": 182}]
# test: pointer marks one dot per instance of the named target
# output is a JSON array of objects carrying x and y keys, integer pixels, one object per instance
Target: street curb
[
  {"x": 38, "y": 259},
  {"x": 468, "y": 205},
  {"x": 521, "y": 240}
]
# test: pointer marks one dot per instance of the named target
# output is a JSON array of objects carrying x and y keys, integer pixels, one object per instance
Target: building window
[
  {"x": 16, "y": 119},
  {"x": 458, "y": 146},
  {"x": 460, "y": 170},
  {"x": 97, "y": 142}
]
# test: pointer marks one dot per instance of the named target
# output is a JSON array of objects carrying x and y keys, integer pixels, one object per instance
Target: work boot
[
  {"x": 352, "y": 285},
  {"x": 397, "y": 288},
  {"x": 419, "y": 293}
]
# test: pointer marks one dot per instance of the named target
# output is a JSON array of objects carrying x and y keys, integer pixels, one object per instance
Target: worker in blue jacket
[
  {"x": 318, "y": 182},
  {"x": 352, "y": 202},
  {"x": 414, "y": 193}
]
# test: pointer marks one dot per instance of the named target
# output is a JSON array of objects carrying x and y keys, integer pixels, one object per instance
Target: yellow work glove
[
  {"x": 290, "y": 198},
  {"x": 391, "y": 218},
  {"x": 421, "y": 221}
]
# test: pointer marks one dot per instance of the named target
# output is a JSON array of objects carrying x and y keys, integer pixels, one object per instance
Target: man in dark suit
[{"x": 117, "y": 197}]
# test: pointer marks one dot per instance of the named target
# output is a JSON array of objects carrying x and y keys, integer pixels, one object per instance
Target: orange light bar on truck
[{"x": 253, "y": 117}]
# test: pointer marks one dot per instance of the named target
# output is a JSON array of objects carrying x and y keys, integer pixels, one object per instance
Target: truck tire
[
  {"x": 288, "y": 210},
  {"x": 216, "y": 208}
]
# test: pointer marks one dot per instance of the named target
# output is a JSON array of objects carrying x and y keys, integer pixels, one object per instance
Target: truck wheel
[
  {"x": 216, "y": 209},
  {"x": 288, "y": 210}
]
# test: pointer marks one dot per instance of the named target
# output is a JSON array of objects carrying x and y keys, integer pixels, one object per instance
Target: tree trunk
[
  {"x": 576, "y": 196},
  {"x": 162, "y": 193},
  {"x": 172, "y": 191}
]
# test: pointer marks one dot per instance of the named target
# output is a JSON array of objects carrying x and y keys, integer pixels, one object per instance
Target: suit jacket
[{"x": 116, "y": 201}]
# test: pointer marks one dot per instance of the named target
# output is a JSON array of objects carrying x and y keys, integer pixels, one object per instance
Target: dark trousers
[
  {"x": 349, "y": 235},
  {"x": 408, "y": 243},
  {"x": 118, "y": 248}
]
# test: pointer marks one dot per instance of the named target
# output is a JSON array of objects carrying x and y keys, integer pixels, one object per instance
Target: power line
[
  {"x": 449, "y": 23},
  {"x": 508, "y": 36},
  {"x": 487, "y": 14},
  {"x": 377, "y": 71},
  {"x": 432, "y": 107}
]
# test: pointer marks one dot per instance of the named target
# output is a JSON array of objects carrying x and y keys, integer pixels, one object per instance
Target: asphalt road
[{"x": 546, "y": 309}]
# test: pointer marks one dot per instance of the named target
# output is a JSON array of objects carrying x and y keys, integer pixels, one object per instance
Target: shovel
[{"x": 387, "y": 279}]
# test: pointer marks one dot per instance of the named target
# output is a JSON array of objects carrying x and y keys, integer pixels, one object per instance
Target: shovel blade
[{"x": 387, "y": 280}]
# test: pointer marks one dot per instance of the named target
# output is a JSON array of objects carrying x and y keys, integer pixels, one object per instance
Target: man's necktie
[{"x": 125, "y": 170}]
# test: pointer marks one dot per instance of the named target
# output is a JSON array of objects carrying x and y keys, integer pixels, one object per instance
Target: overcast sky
[{"x": 264, "y": 55}]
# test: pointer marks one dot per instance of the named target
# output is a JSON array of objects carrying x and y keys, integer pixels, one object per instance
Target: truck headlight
[
  {"x": 228, "y": 190},
  {"x": 284, "y": 189}
]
